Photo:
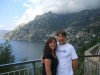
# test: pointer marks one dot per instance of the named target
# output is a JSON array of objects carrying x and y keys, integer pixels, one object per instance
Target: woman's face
[{"x": 52, "y": 44}]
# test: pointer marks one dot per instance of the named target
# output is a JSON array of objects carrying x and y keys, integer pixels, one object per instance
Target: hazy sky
[{"x": 15, "y": 12}]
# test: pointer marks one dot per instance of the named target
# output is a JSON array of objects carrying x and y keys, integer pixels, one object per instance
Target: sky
[{"x": 17, "y": 12}]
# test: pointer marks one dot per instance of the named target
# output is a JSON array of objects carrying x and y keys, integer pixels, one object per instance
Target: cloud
[
  {"x": 2, "y": 26},
  {"x": 27, "y": 5},
  {"x": 38, "y": 7},
  {"x": 16, "y": 17},
  {"x": 65, "y": 6},
  {"x": 7, "y": 27},
  {"x": 28, "y": 15}
]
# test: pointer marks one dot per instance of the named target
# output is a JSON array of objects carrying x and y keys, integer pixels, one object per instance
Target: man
[{"x": 66, "y": 54}]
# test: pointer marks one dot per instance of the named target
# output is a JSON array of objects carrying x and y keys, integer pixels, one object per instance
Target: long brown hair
[{"x": 46, "y": 47}]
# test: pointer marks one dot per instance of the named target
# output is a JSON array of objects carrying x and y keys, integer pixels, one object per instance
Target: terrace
[{"x": 89, "y": 64}]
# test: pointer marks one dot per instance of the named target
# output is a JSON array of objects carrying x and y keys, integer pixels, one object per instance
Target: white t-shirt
[{"x": 65, "y": 53}]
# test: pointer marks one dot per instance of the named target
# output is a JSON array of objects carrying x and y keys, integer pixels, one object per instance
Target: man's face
[{"x": 61, "y": 38}]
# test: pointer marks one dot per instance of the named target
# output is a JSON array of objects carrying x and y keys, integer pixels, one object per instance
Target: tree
[{"x": 6, "y": 55}]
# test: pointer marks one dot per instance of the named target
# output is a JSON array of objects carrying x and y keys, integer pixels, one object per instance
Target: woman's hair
[{"x": 46, "y": 47}]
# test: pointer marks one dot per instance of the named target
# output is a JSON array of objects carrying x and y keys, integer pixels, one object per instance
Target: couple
[{"x": 59, "y": 58}]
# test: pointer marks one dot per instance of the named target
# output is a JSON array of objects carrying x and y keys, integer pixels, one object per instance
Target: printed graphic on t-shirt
[{"x": 62, "y": 51}]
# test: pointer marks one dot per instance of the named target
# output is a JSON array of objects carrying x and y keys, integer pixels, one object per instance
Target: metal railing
[
  {"x": 88, "y": 65},
  {"x": 33, "y": 67}
]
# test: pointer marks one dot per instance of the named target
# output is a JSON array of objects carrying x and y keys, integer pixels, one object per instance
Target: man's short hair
[{"x": 62, "y": 32}]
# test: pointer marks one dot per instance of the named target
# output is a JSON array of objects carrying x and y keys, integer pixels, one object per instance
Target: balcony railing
[
  {"x": 88, "y": 65},
  {"x": 33, "y": 67}
]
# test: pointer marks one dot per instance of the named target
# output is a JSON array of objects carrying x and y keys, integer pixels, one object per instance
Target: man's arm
[{"x": 75, "y": 64}]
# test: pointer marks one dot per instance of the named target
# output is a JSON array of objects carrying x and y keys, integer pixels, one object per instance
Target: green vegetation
[
  {"x": 82, "y": 49},
  {"x": 85, "y": 46},
  {"x": 6, "y": 56}
]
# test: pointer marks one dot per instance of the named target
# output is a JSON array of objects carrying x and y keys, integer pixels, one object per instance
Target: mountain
[
  {"x": 44, "y": 25},
  {"x": 3, "y": 32}
]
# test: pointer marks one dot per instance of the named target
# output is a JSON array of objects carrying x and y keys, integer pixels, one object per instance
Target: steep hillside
[{"x": 45, "y": 24}]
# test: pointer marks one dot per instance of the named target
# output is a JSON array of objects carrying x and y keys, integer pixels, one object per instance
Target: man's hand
[{"x": 42, "y": 60}]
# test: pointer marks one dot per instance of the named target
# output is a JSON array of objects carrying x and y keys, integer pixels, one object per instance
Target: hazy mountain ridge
[
  {"x": 3, "y": 32},
  {"x": 44, "y": 25}
]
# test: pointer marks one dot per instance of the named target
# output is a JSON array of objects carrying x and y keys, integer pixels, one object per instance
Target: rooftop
[{"x": 95, "y": 50}]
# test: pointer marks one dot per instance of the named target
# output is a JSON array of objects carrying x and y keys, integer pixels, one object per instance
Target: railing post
[{"x": 34, "y": 69}]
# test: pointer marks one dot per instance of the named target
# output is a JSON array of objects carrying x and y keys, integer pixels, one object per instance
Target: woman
[{"x": 50, "y": 61}]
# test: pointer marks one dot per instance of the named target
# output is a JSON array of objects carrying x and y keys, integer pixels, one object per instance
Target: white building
[{"x": 92, "y": 64}]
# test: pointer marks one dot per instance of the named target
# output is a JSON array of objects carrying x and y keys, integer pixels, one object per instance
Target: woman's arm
[{"x": 48, "y": 66}]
